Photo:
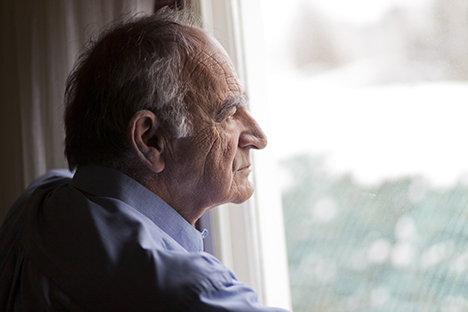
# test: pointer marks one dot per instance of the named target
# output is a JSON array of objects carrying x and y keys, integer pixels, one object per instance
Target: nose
[{"x": 252, "y": 135}]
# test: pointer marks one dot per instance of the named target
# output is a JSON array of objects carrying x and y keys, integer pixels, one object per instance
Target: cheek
[
  {"x": 227, "y": 152},
  {"x": 192, "y": 154},
  {"x": 220, "y": 165},
  {"x": 226, "y": 183}
]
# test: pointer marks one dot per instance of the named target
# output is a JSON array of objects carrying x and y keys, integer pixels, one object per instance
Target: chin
[{"x": 243, "y": 194}]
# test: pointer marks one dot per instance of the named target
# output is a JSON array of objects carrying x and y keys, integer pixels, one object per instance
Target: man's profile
[{"x": 157, "y": 133}]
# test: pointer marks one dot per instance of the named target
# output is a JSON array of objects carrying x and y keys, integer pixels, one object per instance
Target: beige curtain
[{"x": 39, "y": 41}]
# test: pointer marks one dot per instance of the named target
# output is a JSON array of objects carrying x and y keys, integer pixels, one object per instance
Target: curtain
[{"x": 39, "y": 42}]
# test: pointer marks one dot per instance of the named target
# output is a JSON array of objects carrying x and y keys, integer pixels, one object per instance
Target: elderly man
[{"x": 158, "y": 133}]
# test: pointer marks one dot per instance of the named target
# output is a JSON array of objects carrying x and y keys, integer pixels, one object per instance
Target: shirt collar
[{"x": 106, "y": 182}]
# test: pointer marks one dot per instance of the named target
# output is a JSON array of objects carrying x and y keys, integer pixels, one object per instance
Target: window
[{"x": 364, "y": 103}]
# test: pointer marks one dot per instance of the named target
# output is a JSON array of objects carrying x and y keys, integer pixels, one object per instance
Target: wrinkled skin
[{"x": 212, "y": 165}]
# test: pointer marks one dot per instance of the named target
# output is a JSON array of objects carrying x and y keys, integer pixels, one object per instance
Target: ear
[{"x": 146, "y": 139}]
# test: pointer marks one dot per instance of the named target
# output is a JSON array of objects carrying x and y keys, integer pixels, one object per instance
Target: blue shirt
[{"x": 100, "y": 241}]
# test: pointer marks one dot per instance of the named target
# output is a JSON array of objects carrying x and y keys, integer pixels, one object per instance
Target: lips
[{"x": 245, "y": 168}]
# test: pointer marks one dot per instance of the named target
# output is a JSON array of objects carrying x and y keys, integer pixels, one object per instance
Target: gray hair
[{"x": 134, "y": 65}]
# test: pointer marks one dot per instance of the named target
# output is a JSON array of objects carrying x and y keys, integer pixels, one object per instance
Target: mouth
[{"x": 248, "y": 167}]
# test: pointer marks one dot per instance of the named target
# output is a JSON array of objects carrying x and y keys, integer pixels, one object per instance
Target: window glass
[{"x": 368, "y": 119}]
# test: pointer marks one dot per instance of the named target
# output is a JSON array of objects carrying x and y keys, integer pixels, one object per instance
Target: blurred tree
[
  {"x": 451, "y": 35},
  {"x": 312, "y": 40},
  {"x": 396, "y": 246}
]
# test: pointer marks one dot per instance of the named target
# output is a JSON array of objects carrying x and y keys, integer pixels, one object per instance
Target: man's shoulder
[
  {"x": 52, "y": 177},
  {"x": 49, "y": 179},
  {"x": 47, "y": 182}
]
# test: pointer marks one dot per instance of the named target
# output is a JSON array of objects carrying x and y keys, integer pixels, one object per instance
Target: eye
[{"x": 232, "y": 114}]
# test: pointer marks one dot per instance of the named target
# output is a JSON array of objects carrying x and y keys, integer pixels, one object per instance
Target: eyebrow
[{"x": 231, "y": 102}]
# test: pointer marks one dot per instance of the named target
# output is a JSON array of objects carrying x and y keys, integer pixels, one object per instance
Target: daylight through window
[{"x": 367, "y": 102}]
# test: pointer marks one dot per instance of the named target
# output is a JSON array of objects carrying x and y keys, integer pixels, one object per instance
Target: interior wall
[{"x": 39, "y": 41}]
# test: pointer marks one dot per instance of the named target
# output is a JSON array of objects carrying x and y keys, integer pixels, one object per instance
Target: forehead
[{"x": 211, "y": 75}]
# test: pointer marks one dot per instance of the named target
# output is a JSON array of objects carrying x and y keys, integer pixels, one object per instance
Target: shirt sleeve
[
  {"x": 233, "y": 296},
  {"x": 219, "y": 290}
]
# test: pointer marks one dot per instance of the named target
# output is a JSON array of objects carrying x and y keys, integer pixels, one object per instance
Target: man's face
[{"x": 212, "y": 164}]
